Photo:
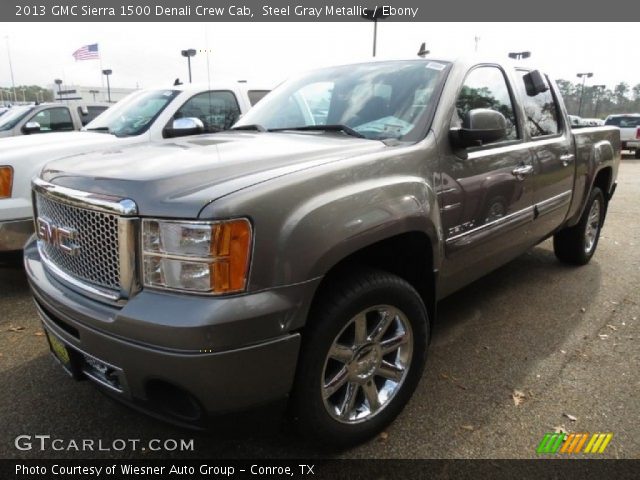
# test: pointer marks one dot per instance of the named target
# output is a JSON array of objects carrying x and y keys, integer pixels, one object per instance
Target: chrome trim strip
[
  {"x": 87, "y": 200},
  {"x": 90, "y": 290},
  {"x": 553, "y": 203},
  {"x": 127, "y": 234},
  {"x": 495, "y": 223}
]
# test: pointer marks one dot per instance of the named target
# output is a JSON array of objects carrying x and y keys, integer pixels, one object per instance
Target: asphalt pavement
[{"x": 533, "y": 347}]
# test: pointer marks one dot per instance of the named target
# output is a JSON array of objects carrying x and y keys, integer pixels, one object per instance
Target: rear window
[{"x": 623, "y": 122}]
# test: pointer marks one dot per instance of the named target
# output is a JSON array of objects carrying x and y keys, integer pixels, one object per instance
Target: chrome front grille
[
  {"x": 97, "y": 259},
  {"x": 88, "y": 240}
]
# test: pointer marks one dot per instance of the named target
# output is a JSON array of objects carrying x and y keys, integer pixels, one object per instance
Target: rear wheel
[
  {"x": 363, "y": 354},
  {"x": 576, "y": 245}
]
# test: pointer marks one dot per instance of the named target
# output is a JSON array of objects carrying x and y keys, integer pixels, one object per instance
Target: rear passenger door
[
  {"x": 552, "y": 150},
  {"x": 486, "y": 199}
]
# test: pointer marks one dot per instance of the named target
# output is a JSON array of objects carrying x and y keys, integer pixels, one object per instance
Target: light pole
[
  {"x": 375, "y": 15},
  {"x": 599, "y": 89},
  {"x": 58, "y": 82},
  {"x": 188, "y": 53},
  {"x": 519, "y": 55},
  {"x": 93, "y": 92},
  {"x": 584, "y": 77},
  {"x": 13, "y": 82},
  {"x": 106, "y": 73}
]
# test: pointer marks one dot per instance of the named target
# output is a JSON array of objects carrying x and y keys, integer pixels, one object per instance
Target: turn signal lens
[{"x": 6, "y": 181}]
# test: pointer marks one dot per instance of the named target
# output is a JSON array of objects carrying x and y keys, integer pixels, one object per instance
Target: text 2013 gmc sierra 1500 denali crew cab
[
  {"x": 150, "y": 115},
  {"x": 301, "y": 255}
]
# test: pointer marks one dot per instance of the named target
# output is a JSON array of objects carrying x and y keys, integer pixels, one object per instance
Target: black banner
[
  {"x": 313, "y": 11},
  {"x": 318, "y": 469}
]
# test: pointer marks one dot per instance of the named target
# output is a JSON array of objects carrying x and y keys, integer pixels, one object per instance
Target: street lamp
[
  {"x": 58, "y": 82},
  {"x": 106, "y": 73},
  {"x": 599, "y": 90},
  {"x": 423, "y": 52},
  {"x": 93, "y": 92},
  {"x": 188, "y": 53},
  {"x": 375, "y": 15},
  {"x": 519, "y": 55},
  {"x": 584, "y": 77}
]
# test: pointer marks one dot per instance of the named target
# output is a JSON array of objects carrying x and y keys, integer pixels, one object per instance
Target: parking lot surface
[{"x": 534, "y": 346}]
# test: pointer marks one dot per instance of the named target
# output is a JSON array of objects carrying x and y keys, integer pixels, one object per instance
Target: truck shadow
[{"x": 489, "y": 338}]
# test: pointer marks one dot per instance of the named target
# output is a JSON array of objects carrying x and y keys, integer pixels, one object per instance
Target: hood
[
  {"x": 176, "y": 179},
  {"x": 53, "y": 143}
]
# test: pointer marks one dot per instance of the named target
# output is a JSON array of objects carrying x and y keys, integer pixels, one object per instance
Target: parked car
[
  {"x": 152, "y": 115},
  {"x": 300, "y": 256},
  {"x": 629, "y": 125},
  {"x": 3, "y": 110},
  {"x": 593, "y": 122},
  {"x": 47, "y": 118}
]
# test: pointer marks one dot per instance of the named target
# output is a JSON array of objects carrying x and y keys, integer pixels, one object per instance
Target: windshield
[
  {"x": 13, "y": 116},
  {"x": 624, "y": 122},
  {"x": 379, "y": 101},
  {"x": 134, "y": 114}
]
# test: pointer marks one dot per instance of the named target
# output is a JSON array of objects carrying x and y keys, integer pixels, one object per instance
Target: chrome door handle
[
  {"x": 522, "y": 171},
  {"x": 567, "y": 158}
]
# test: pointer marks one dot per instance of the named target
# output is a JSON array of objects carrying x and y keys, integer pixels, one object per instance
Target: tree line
[
  {"x": 25, "y": 93},
  {"x": 599, "y": 101}
]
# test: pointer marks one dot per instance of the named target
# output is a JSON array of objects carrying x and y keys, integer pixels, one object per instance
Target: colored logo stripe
[{"x": 573, "y": 443}]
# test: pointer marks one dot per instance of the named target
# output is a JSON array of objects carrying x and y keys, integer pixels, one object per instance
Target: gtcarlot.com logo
[
  {"x": 47, "y": 442},
  {"x": 574, "y": 443}
]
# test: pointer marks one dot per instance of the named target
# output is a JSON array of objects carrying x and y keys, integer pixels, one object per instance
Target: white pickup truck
[
  {"x": 145, "y": 116},
  {"x": 48, "y": 118},
  {"x": 629, "y": 125}
]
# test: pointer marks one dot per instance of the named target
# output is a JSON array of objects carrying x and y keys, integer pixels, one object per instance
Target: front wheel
[
  {"x": 576, "y": 245},
  {"x": 362, "y": 357}
]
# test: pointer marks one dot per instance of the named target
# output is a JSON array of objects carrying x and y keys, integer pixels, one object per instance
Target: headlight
[
  {"x": 203, "y": 257},
  {"x": 6, "y": 181}
]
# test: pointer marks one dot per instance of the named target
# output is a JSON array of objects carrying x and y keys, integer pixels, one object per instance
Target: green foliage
[
  {"x": 599, "y": 102},
  {"x": 26, "y": 93}
]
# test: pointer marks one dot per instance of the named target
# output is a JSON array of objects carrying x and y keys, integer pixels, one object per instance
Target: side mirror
[
  {"x": 31, "y": 127},
  {"x": 479, "y": 127},
  {"x": 181, "y": 127}
]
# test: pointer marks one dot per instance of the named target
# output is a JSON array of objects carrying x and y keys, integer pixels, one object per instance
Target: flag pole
[{"x": 100, "y": 61}]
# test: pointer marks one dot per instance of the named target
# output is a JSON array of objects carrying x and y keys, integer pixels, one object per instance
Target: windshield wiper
[
  {"x": 256, "y": 127},
  {"x": 324, "y": 128},
  {"x": 98, "y": 129}
]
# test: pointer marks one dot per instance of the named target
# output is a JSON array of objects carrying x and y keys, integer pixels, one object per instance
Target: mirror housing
[
  {"x": 479, "y": 127},
  {"x": 534, "y": 83},
  {"x": 31, "y": 127},
  {"x": 181, "y": 127}
]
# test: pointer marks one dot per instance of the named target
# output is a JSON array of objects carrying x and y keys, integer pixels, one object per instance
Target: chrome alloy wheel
[
  {"x": 592, "y": 227},
  {"x": 367, "y": 364}
]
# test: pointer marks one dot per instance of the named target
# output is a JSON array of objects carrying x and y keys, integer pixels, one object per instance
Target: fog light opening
[{"x": 174, "y": 401}]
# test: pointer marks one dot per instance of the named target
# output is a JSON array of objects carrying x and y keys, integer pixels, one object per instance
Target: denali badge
[{"x": 61, "y": 237}]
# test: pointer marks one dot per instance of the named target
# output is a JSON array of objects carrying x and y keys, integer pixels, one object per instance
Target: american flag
[{"x": 88, "y": 52}]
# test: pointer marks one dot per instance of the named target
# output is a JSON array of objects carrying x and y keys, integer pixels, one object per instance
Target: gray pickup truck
[{"x": 298, "y": 258}]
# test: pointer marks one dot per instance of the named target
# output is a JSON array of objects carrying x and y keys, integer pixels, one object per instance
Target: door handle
[
  {"x": 567, "y": 158},
  {"x": 522, "y": 171}
]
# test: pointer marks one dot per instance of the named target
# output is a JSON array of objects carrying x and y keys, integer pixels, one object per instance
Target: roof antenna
[
  {"x": 177, "y": 82},
  {"x": 423, "y": 52}
]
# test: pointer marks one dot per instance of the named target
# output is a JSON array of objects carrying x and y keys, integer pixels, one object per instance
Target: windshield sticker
[{"x": 435, "y": 66}]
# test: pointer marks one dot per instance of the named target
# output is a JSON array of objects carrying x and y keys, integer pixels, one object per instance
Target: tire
[
  {"x": 637, "y": 154},
  {"x": 360, "y": 300},
  {"x": 576, "y": 245}
]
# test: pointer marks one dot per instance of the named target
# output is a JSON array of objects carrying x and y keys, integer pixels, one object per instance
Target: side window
[
  {"x": 256, "y": 95},
  {"x": 217, "y": 110},
  {"x": 486, "y": 87},
  {"x": 541, "y": 111},
  {"x": 54, "y": 120},
  {"x": 91, "y": 113}
]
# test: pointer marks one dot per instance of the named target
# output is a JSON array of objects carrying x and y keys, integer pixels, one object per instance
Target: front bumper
[
  {"x": 160, "y": 344},
  {"x": 14, "y": 234}
]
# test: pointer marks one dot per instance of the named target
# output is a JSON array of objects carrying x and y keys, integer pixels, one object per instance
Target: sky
[{"x": 148, "y": 54}]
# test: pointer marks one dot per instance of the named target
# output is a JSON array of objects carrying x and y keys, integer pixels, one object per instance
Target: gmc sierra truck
[{"x": 300, "y": 256}]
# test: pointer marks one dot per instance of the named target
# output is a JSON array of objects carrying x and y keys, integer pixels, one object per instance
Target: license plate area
[{"x": 81, "y": 365}]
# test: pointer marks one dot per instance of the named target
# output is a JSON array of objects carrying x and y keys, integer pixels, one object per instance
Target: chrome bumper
[{"x": 14, "y": 234}]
